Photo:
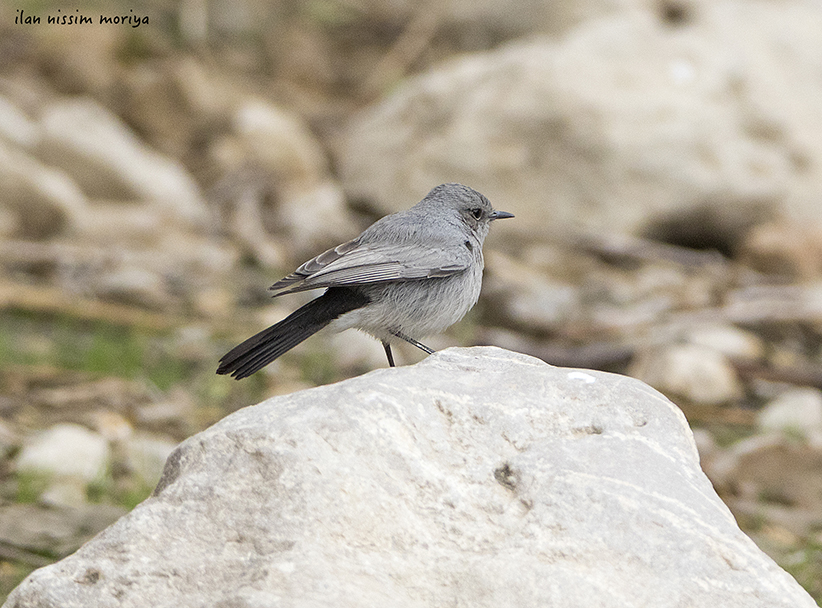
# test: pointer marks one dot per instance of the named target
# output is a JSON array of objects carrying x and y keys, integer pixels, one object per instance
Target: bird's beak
[{"x": 500, "y": 215}]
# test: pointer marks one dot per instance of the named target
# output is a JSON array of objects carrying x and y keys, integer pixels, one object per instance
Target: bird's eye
[{"x": 477, "y": 213}]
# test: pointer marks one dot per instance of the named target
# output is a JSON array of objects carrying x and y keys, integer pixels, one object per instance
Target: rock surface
[{"x": 478, "y": 477}]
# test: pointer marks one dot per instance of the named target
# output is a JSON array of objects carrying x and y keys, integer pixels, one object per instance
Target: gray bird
[{"x": 408, "y": 275}]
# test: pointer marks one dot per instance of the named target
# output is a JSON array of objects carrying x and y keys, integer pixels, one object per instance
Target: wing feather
[{"x": 356, "y": 263}]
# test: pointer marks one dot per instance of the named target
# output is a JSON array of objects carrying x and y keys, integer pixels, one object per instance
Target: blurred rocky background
[{"x": 663, "y": 159}]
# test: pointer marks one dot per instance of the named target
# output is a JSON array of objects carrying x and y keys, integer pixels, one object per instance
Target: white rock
[
  {"x": 65, "y": 450},
  {"x": 15, "y": 126},
  {"x": 64, "y": 492},
  {"x": 729, "y": 340},
  {"x": 796, "y": 411},
  {"x": 133, "y": 284},
  {"x": 527, "y": 297},
  {"x": 36, "y": 201},
  {"x": 698, "y": 374},
  {"x": 705, "y": 445},
  {"x": 478, "y": 477},
  {"x": 108, "y": 161},
  {"x": 146, "y": 455}
]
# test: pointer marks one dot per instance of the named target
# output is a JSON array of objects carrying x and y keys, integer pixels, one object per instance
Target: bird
[{"x": 408, "y": 275}]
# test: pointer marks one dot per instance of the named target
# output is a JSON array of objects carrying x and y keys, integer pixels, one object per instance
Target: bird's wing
[{"x": 357, "y": 263}]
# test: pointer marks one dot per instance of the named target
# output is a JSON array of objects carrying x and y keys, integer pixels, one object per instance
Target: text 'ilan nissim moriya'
[{"x": 79, "y": 19}]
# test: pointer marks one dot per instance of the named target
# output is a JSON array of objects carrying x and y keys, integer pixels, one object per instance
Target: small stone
[
  {"x": 705, "y": 445},
  {"x": 146, "y": 455},
  {"x": 696, "y": 373},
  {"x": 133, "y": 284},
  {"x": 111, "y": 425},
  {"x": 729, "y": 340},
  {"x": 64, "y": 492},
  {"x": 65, "y": 450},
  {"x": 784, "y": 248},
  {"x": 796, "y": 411},
  {"x": 774, "y": 477}
]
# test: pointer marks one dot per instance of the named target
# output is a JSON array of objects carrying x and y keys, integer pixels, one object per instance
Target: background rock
[
  {"x": 65, "y": 450},
  {"x": 478, "y": 477},
  {"x": 623, "y": 123},
  {"x": 108, "y": 161},
  {"x": 15, "y": 126},
  {"x": 276, "y": 180},
  {"x": 36, "y": 201},
  {"x": 797, "y": 411},
  {"x": 41, "y": 531},
  {"x": 783, "y": 248},
  {"x": 726, "y": 339},
  {"x": 772, "y": 478},
  {"x": 61, "y": 463},
  {"x": 698, "y": 374}
]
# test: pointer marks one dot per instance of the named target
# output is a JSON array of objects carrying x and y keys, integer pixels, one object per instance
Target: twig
[
  {"x": 798, "y": 375},
  {"x": 52, "y": 300}
]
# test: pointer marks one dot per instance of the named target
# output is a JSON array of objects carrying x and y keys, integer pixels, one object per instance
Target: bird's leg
[
  {"x": 388, "y": 354},
  {"x": 410, "y": 340}
]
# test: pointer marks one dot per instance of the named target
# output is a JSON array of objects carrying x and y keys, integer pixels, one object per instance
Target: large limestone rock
[
  {"x": 478, "y": 477},
  {"x": 625, "y": 119}
]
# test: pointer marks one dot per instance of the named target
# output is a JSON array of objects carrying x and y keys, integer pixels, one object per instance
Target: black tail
[{"x": 261, "y": 349}]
